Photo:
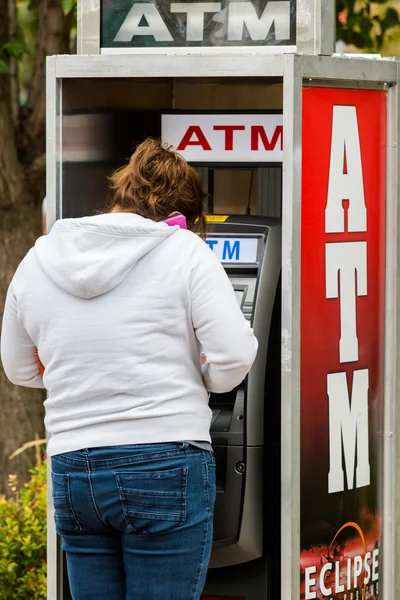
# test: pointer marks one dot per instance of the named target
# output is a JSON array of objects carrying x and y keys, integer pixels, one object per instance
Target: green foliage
[
  {"x": 16, "y": 48},
  {"x": 22, "y": 47},
  {"x": 69, "y": 7},
  {"x": 366, "y": 24},
  {"x": 23, "y": 539},
  {"x": 28, "y": 17}
]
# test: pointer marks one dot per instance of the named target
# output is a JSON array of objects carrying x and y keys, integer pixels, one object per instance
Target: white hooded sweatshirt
[{"x": 118, "y": 307}]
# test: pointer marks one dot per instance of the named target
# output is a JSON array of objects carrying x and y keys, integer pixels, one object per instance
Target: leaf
[
  {"x": 358, "y": 40},
  {"x": 394, "y": 36},
  {"x": 351, "y": 19},
  {"x": 16, "y": 49},
  {"x": 379, "y": 40},
  {"x": 4, "y": 66},
  {"x": 365, "y": 25},
  {"x": 391, "y": 19},
  {"x": 68, "y": 6},
  {"x": 349, "y": 4}
]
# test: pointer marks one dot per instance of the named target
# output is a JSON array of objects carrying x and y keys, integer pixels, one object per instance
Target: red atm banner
[{"x": 342, "y": 343}]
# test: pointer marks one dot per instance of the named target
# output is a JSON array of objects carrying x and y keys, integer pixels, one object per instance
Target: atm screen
[{"x": 235, "y": 250}]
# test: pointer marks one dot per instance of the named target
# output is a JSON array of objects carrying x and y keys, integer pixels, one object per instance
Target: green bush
[{"x": 23, "y": 539}]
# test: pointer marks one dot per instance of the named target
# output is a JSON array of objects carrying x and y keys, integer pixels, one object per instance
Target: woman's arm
[
  {"x": 225, "y": 335},
  {"x": 17, "y": 349}
]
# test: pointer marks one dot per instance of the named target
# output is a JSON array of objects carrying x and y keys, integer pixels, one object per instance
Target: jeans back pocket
[
  {"x": 64, "y": 515},
  {"x": 153, "y": 502}
]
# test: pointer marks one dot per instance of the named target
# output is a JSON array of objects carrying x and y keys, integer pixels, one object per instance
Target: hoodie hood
[{"x": 90, "y": 256}]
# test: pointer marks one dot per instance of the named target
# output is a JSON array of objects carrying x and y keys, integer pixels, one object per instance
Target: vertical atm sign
[{"x": 342, "y": 342}]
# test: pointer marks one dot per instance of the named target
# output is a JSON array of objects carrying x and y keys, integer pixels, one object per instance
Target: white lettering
[
  {"x": 326, "y": 591},
  {"x": 358, "y": 569},
  {"x": 367, "y": 568},
  {"x": 354, "y": 567},
  {"x": 155, "y": 25},
  {"x": 348, "y": 574},
  {"x": 375, "y": 565},
  {"x": 347, "y": 185},
  {"x": 348, "y": 424},
  {"x": 339, "y": 587},
  {"x": 244, "y": 14},
  {"x": 195, "y": 17},
  {"x": 310, "y": 582},
  {"x": 350, "y": 260}
]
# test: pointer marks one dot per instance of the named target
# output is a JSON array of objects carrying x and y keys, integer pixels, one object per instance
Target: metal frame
[
  {"x": 391, "y": 357},
  {"x": 290, "y": 367},
  {"x": 319, "y": 71},
  {"x": 52, "y": 177},
  {"x": 315, "y": 33},
  {"x": 316, "y": 26},
  {"x": 88, "y": 27},
  {"x": 296, "y": 71},
  {"x": 167, "y": 66},
  {"x": 55, "y": 580},
  {"x": 393, "y": 575},
  {"x": 53, "y": 102}
]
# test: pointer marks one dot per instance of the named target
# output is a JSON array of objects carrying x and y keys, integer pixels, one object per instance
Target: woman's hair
[{"x": 156, "y": 182}]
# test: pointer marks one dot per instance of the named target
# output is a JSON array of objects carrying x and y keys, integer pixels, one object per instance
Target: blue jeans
[{"x": 135, "y": 521}]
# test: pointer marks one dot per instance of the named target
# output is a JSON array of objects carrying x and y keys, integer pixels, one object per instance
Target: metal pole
[
  {"x": 290, "y": 396},
  {"x": 316, "y": 27}
]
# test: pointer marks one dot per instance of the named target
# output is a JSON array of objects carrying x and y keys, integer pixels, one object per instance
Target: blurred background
[{"x": 368, "y": 26}]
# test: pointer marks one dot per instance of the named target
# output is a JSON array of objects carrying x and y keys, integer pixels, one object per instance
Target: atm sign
[
  {"x": 231, "y": 138},
  {"x": 235, "y": 250}
]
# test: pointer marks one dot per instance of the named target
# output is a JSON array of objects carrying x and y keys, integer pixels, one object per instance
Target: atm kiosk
[{"x": 283, "y": 66}]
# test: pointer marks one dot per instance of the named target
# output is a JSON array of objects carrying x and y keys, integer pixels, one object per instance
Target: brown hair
[{"x": 156, "y": 182}]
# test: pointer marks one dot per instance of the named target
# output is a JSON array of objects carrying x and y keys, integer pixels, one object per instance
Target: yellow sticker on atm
[{"x": 217, "y": 218}]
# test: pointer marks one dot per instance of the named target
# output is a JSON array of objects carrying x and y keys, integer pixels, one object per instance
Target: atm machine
[
  {"x": 236, "y": 65},
  {"x": 245, "y": 423}
]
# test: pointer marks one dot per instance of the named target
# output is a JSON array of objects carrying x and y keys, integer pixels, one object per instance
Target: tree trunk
[
  {"x": 52, "y": 38},
  {"x": 21, "y": 414},
  {"x": 22, "y": 189},
  {"x": 10, "y": 171}
]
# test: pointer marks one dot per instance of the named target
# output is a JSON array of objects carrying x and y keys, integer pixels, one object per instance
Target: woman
[{"x": 118, "y": 306}]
